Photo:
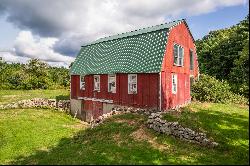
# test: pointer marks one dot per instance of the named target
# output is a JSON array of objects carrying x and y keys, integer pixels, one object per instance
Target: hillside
[{"x": 44, "y": 136}]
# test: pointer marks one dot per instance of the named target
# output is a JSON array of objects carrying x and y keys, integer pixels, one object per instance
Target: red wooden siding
[
  {"x": 147, "y": 90},
  {"x": 181, "y": 36}
]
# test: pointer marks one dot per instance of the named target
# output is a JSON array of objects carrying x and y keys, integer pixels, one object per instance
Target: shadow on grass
[
  {"x": 111, "y": 143},
  {"x": 229, "y": 129},
  {"x": 62, "y": 97},
  {"x": 108, "y": 143}
]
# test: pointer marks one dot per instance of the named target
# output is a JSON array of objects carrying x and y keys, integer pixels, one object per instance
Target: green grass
[
  {"x": 8, "y": 96},
  {"x": 44, "y": 136},
  {"x": 226, "y": 124},
  {"x": 41, "y": 137},
  {"x": 24, "y": 131}
]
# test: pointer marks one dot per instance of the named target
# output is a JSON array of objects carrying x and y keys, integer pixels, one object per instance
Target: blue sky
[
  {"x": 55, "y": 33},
  {"x": 222, "y": 18}
]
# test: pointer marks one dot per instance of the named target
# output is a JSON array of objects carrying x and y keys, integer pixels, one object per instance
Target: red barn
[{"x": 148, "y": 68}]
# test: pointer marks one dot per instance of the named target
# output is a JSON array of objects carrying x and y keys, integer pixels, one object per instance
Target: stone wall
[
  {"x": 63, "y": 105},
  {"x": 174, "y": 128},
  {"x": 159, "y": 125}
]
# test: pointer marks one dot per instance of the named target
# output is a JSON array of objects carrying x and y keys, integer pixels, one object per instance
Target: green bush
[{"x": 210, "y": 89}]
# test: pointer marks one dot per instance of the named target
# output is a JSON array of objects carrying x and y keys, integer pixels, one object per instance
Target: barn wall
[
  {"x": 147, "y": 91},
  {"x": 181, "y": 36}
]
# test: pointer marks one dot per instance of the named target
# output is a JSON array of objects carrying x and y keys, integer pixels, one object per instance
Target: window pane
[
  {"x": 175, "y": 53},
  {"x": 191, "y": 60},
  {"x": 132, "y": 83},
  {"x": 180, "y": 52},
  {"x": 96, "y": 82},
  {"x": 180, "y": 56},
  {"x": 82, "y": 78}
]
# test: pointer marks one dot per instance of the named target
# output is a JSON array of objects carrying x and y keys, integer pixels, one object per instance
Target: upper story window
[
  {"x": 97, "y": 82},
  {"x": 82, "y": 82},
  {"x": 178, "y": 55},
  {"x": 132, "y": 83},
  {"x": 191, "y": 60},
  {"x": 174, "y": 83},
  {"x": 112, "y": 83}
]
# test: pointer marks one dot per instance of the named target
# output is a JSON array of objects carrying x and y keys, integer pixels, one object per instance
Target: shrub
[{"x": 210, "y": 89}]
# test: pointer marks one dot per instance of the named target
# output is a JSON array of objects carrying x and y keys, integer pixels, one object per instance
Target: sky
[{"x": 55, "y": 32}]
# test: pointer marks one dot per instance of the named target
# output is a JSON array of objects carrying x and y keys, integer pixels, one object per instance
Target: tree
[{"x": 224, "y": 55}]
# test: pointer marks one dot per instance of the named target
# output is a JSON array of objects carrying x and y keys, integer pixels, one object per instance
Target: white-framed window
[
  {"x": 97, "y": 82},
  {"x": 82, "y": 82},
  {"x": 191, "y": 59},
  {"x": 132, "y": 83},
  {"x": 112, "y": 83},
  {"x": 178, "y": 55},
  {"x": 174, "y": 83}
]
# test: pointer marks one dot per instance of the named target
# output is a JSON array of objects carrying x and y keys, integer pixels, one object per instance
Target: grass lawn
[
  {"x": 8, "y": 96},
  {"x": 41, "y": 136}
]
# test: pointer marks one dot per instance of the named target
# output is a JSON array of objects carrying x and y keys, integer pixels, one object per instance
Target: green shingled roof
[{"x": 139, "y": 51}]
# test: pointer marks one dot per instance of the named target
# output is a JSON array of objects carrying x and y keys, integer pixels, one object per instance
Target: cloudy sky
[{"x": 53, "y": 31}]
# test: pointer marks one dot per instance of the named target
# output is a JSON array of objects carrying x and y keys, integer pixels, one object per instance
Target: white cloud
[
  {"x": 62, "y": 26},
  {"x": 31, "y": 46},
  {"x": 12, "y": 57}
]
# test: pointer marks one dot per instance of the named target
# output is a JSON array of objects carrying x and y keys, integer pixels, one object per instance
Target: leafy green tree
[
  {"x": 224, "y": 54},
  {"x": 33, "y": 75}
]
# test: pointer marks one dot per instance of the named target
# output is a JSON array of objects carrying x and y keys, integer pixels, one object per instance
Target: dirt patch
[
  {"x": 45, "y": 149},
  {"x": 76, "y": 126},
  {"x": 206, "y": 105},
  {"x": 117, "y": 139},
  {"x": 142, "y": 135}
]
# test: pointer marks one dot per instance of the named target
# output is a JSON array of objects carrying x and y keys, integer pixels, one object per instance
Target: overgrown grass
[
  {"x": 41, "y": 137},
  {"x": 7, "y": 96}
]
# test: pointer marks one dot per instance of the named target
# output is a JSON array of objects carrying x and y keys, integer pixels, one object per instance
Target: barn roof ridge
[{"x": 135, "y": 32}]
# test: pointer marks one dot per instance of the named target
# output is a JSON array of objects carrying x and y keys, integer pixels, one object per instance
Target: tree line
[{"x": 33, "y": 75}]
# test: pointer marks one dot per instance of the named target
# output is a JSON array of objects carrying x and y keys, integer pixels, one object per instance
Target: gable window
[
  {"x": 174, "y": 83},
  {"x": 132, "y": 83},
  {"x": 97, "y": 82},
  {"x": 82, "y": 82},
  {"x": 178, "y": 55},
  {"x": 191, "y": 60},
  {"x": 112, "y": 83}
]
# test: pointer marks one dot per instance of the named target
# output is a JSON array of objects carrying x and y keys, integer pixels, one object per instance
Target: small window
[
  {"x": 132, "y": 83},
  {"x": 174, "y": 83},
  {"x": 97, "y": 82},
  {"x": 178, "y": 55},
  {"x": 191, "y": 60},
  {"x": 112, "y": 83},
  {"x": 82, "y": 83}
]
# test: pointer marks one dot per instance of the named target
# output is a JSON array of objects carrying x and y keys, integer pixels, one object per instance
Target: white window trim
[
  {"x": 129, "y": 81},
  {"x": 110, "y": 82},
  {"x": 81, "y": 87},
  {"x": 174, "y": 76},
  {"x": 99, "y": 83},
  {"x": 178, "y": 56}
]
